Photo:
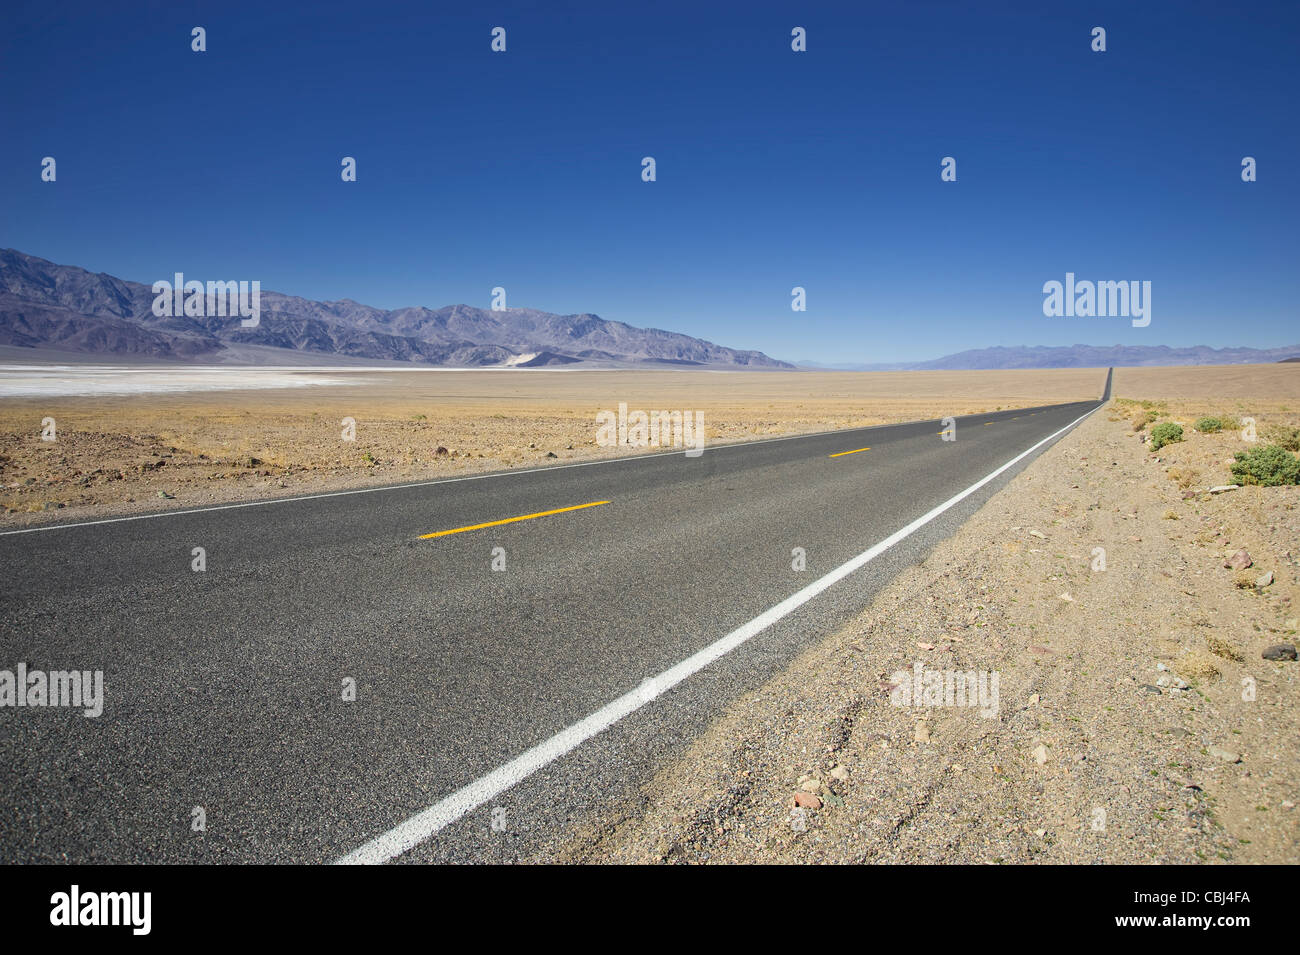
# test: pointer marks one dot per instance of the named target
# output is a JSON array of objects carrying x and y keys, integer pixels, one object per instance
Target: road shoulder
[{"x": 1136, "y": 720}]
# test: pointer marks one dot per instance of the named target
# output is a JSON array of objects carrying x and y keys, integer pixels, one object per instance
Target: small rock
[
  {"x": 1040, "y": 754},
  {"x": 806, "y": 801},
  {"x": 1239, "y": 561},
  {"x": 840, "y": 773},
  {"x": 1039, "y": 534},
  {"x": 1033, "y": 699},
  {"x": 922, "y": 734},
  {"x": 1066, "y": 597},
  {"x": 1280, "y": 651},
  {"x": 551, "y": 454},
  {"x": 1227, "y": 755},
  {"x": 1264, "y": 580},
  {"x": 1219, "y": 489}
]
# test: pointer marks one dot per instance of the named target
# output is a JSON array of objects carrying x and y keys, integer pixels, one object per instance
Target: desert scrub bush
[
  {"x": 1283, "y": 436},
  {"x": 1139, "y": 422},
  {"x": 1165, "y": 433},
  {"x": 1207, "y": 425},
  {"x": 1270, "y": 466},
  {"x": 1185, "y": 477}
]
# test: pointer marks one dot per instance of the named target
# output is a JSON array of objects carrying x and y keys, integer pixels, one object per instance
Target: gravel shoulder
[{"x": 1136, "y": 719}]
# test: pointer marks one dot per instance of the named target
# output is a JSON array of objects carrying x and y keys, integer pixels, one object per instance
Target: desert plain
[
  {"x": 129, "y": 453},
  {"x": 117, "y": 453}
]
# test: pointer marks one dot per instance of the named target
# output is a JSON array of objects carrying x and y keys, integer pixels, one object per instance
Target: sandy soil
[
  {"x": 1137, "y": 718},
  {"x": 1227, "y": 387},
  {"x": 117, "y": 454}
]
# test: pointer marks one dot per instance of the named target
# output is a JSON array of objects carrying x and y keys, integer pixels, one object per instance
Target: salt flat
[{"x": 90, "y": 380}]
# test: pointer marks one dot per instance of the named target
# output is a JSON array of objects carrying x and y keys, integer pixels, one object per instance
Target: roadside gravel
[{"x": 1136, "y": 719}]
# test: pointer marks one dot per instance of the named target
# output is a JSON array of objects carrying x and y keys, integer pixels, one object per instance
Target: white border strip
[
  {"x": 406, "y": 835},
  {"x": 480, "y": 477}
]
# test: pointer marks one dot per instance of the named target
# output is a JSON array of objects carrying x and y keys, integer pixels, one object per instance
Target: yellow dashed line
[
  {"x": 841, "y": 454},
  {"x": 511, "y": 520}
]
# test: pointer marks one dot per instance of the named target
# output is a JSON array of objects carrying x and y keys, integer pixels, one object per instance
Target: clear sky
[{"x": 775, "y": 169}]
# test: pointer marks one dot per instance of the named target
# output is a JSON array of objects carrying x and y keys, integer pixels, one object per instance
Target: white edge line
[
  {"x": 467, "y": 477},
  {"x": 419, "y": 827}
]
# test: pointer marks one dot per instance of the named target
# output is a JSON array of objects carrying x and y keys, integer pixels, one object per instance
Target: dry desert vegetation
[{"x": 136, "y": 453}]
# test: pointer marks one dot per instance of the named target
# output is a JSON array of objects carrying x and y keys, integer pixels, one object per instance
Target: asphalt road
[{"x": 223, "y": 689}]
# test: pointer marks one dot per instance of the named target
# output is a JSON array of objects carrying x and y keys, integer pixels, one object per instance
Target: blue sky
[{"x": 775, "y": 169}]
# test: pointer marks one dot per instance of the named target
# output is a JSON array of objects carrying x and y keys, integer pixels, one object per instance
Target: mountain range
[
  {"x": 65, "y": 309},
  {"x": 1078, "y": 356},
  {"x": 49, "y": 306}
]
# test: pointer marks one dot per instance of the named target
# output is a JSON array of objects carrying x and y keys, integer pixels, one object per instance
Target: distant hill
[
  {"x": 44, "y": 305},
  {"x": 1097, "y": 356},
  {"x": 1083, "y": 356}
]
